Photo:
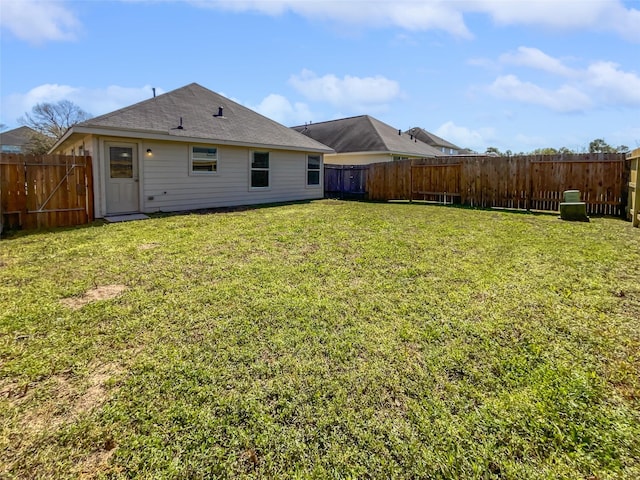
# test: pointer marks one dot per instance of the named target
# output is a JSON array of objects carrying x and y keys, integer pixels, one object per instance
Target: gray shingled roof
[
  {"x": 198, "y": 108},
  {"x": 430, "y": 138},
  {"x": 18, "y": 136},
  {"x": 365, "y": 134}
]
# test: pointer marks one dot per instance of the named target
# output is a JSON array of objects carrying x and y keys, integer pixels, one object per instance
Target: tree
[
  {"x": 622, "y": 149},
  {"x": 600, "y": 146},
  {"x": 545, "y": 151},
  {"x": 493, "y": 151},
  {"x": 51, "y": 121}
]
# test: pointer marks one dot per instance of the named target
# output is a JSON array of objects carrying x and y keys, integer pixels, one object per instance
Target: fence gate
[
  {"x": 436, "y": 183},
  {"x": 42, "y": 191},
  {"x": 345, "y": 181}
]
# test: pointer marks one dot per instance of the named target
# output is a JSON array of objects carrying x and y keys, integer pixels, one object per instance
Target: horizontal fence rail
[
  {"x": 534, "y": 182},
  {"x": 43, "y": 191}
]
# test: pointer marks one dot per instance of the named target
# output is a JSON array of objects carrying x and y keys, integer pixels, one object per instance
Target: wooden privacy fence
[
  {"x": 42, "y": 191},
  {"x": 633, "y": 211},
  {"x": 523, "y": 182}
]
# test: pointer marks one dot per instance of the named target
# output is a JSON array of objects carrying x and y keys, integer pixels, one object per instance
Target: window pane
[
  {"x": 199, "y": 166},
  {"x": 313, "y": 162},
  {"x": 313, "y": 177},
  {"x": 121, "y": 162},
  {"x": 260, "y": 160},
  {"x": 204, "y": 152},
  {"x": 259, "y": 178}
]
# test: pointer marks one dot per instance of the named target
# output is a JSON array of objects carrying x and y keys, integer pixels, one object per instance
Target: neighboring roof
[
  {"x": 430, "y": 138},
  {"x": 365, "y": 134},
  {"x": 18, "y": 136},
  {"x": 196, "y": 109}
]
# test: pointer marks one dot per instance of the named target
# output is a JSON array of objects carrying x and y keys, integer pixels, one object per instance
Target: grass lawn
[{"x": 322, "y": 340}]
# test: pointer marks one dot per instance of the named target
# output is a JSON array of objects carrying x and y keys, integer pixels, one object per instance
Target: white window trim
[
  {"x": 203, "y": 173},
  {"x": 319, "y": 170},
  {"x": 251, "y": 169}
]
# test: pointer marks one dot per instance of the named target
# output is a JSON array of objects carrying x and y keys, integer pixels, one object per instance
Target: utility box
[
  {"x": 572, "y": 208},
  {"x": 634, "y": 188}
]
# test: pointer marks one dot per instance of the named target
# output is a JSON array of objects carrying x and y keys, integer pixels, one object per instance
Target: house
[
  {"x": 17, "y": 140},
  {"x": 192, "y": 148},
  {"x": 437, "y": 142},
  {"x": 363, "y": 140}
]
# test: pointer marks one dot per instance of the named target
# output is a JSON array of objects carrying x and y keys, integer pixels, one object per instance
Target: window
[
  {"x": 204, "y": 160},
  {"x": 121, "y": 162},
  {"x": 259, "y": 169},
  {"x": 398, "y": 158},
  {"x": 313, "y": 169}
]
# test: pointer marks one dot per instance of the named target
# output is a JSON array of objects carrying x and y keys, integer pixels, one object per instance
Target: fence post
[
  {"x": 530, "y": 182},
  {"x": 411, "y": 181}
]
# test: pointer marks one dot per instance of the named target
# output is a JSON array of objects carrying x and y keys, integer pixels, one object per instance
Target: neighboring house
[
  {"x": 16, "y": 140},
  {"x": 363, "y": 140},
  {"x": 192, "y": 148},
  {"x": 435, "y": 141}
]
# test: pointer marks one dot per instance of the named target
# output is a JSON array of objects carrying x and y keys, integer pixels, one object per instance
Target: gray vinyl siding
[{"x": 168, "y": 184}]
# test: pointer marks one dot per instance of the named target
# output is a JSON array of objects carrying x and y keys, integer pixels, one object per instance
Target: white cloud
[
  {"x": 534, "y": 58},
  {"x": 614, "y": 85},
  {"x": 551, "y": 13},
  {"x": 596, "y": 15},
  {"x": 626, "y": 22},
  {"x": 278, "y": 108},
  {"x": 349, "y": 92},
  {"x": 95, "y": 101},
  {"x": 448, "y": 16},
  {"x": 38, "y": 21},
  {"x": 600, "y": 84},
  {"x": 567, "y": 98},
  {"x": 465, "y": 137},
  {"x": 415, "y": 15}
]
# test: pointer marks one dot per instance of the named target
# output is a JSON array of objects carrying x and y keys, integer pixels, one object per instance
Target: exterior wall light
[{"x": 149, "y": 152}]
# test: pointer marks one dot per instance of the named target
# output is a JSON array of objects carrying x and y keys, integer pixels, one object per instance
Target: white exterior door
[{"x": 122, "y": 178}]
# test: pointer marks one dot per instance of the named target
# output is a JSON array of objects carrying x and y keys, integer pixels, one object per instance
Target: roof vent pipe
[
  {"x": 220, "y": 112},
  {"x": 399, "y": 132},
  {"x": 154, "y": 91}
]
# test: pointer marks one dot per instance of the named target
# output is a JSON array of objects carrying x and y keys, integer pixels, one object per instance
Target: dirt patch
[
  {"x": 148, "y": 246},
  {"x": 95, "y": 464},
  {"x": 104, "y": 292},
  {"x": 96, "y": 394},
  {"x": 14, "y": 390},
  {"x": 65, "y": 402}
]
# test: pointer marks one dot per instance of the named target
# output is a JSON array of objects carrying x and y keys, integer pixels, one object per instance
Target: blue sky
[{"x": 515, "y": 75}]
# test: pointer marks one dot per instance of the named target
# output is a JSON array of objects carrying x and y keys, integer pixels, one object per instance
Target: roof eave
[
  {"x": 155, "y": 135},
  {"x": 388, "y": 152}
]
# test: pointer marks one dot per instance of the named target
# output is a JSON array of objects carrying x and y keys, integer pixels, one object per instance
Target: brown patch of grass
[
  {"x": 65, "y": 403},
  {"x": 148, "y": 246},
  {"x": 14, "y": 390},
  {"x": 104, "y": 292},
  {"x": 96, "y": 462},
  {"x": 96, "y": 394}
]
